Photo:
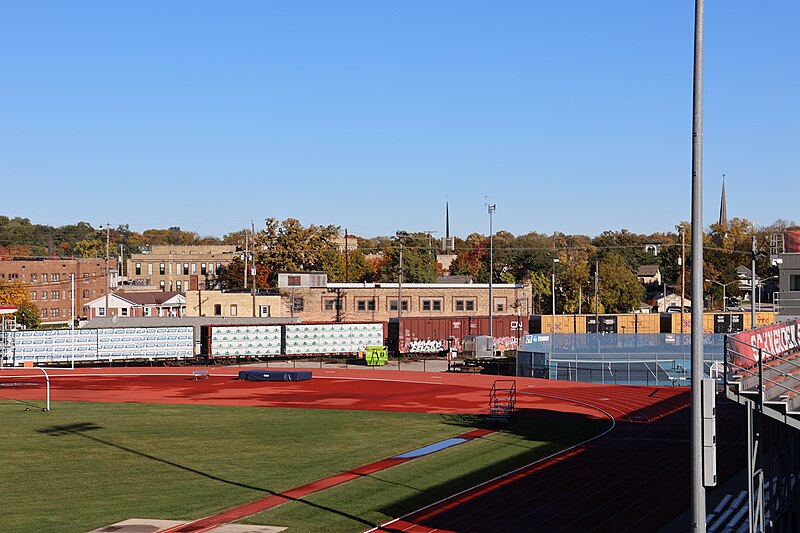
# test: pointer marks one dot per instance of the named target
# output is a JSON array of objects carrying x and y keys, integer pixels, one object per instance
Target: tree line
[{"x": 532, "y": 258}]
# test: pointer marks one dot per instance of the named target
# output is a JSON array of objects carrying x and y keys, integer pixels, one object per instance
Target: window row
[
  {"x": 425, "y": 304},
  {"x": 180, "y": 268}
]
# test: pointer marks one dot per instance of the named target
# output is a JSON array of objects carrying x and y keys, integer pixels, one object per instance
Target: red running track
[{"x": 635, "y": 478}]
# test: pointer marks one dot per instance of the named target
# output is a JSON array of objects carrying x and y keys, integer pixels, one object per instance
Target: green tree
[
  {"x": 620, "y": 290},
  {"x": 419, "y": 260}
]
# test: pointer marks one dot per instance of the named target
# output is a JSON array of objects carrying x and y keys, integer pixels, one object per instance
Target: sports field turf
[{"x": 86, "y": 465}]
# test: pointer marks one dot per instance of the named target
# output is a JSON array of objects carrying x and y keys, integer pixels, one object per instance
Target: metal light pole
[
  {"x": 108, "y": 276},
  {"x": 553, "y": 288},
  {"x": 724, "y": 287},
  {"x": 698, "y": 490},
  {"x": 491, "y": 268},
  {"x": 72, "y": 317}
]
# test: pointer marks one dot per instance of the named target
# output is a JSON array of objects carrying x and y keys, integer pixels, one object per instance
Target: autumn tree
[
  {"x": 16, "y": 294},
  {"x": 288, "y": 246}
]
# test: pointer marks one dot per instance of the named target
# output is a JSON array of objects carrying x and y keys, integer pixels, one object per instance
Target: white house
[{"x": 144, "y": 304}]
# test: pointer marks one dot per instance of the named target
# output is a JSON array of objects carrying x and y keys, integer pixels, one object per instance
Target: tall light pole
[
  {"x": 491, "y": 269},
  {"x": 553, "y": 289},
  {"x": 698, "y": 489},
  {"x": 108, "y": 276},
  {"x": 724, "y": 286}
]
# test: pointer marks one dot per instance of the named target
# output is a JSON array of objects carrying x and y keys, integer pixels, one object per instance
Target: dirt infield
[{"x": 634, "y": 478}]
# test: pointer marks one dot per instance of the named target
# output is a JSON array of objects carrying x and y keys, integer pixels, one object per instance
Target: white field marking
[{"x": 551, "y": 456}]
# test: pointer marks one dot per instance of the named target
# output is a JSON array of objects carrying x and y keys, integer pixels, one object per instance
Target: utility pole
[
  {"x": 698, "y": 488},
  {"x": 491, "y": 269},
  {"x": 121, "y": 254},
  {"x": 346, "y": 256},
  {"x": 108, "y": 276}
]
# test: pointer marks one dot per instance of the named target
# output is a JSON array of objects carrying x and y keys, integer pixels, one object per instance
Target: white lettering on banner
[{"x": 775, "y": 339}]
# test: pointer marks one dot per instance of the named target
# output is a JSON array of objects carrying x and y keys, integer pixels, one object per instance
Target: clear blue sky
[{"x": 572, "y": 116}]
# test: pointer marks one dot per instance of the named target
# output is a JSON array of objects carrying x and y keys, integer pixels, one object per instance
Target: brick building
[
  {"x": 48, "y": 280},
  {"x": 179, "y": 268}
]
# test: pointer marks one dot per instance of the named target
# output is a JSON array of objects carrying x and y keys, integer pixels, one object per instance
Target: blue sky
[{"x": 572, "y": 116}]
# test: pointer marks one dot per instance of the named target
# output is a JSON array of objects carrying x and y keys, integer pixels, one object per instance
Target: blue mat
[
  {"x": 435, "y": 447},
  {"x": 273, "y": 375}
]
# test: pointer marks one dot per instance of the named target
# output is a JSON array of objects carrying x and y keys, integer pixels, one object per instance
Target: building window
[
  {"x": 293, "y": 281},
  {"x": 161, "y": 269},
  {"x": 219, "y": 268},
  {"x": 44, "y": 278},
  {"x": 365, "y": 305},
  {"x": 85, "y": 293},
  {"x": 194, "y": 268},
  {"x": 44, "y": 295},
  {"x": 297, "y": 303},
  {"x": 178, "y": 285},
  {"x": 217, "y": 309},
  {"x": 203, "y": 269},
  {"x": 794, "y": 282},
  {"x": 500, "y": 305},
  {"x": 33, "y": 278},
  {"x": 55, "y": 295},
  {"x": 186, "y": 269},
  {"x": 146, "y": 311},
  {"x": 465, "y": 305},
  {"x": 34, "y": 294},
  {"x": 43, "y": 313},
  {"x": 138, "y": 269},
  {"x": 264, "y": 310},
  {"x": 162, "y": 285},
  {"x": 101, "y": 311},
  {"x": 149, "y": 269},
  {"x": 234, "y": 310},
  {"x": 123, "y": 311},
  {"x": 393, "y": 305},
  {"x": 55, "y": 313},
  {"x": 86, "y": 277},
  {"x": 432, "y": 304},
  {"x": 55, "y": 277},
  {"x": 331, "y": 304}
]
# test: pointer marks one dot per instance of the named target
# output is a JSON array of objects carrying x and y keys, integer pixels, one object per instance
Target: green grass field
[{"x": 86, "y": 465}]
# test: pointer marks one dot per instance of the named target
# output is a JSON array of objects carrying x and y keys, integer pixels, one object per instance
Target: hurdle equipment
[
  {"x": 502, "y": 400},
  {"x": 203, "y": 373}
]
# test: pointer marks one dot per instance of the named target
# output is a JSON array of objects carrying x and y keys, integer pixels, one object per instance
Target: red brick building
[{"x": 48, "y": 281}]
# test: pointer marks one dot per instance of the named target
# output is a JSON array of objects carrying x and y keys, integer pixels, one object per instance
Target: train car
[
  {"x": 438, "y": 335},
  {"x": 589, "y": 323},
  {"x": 221, "y": 341}
]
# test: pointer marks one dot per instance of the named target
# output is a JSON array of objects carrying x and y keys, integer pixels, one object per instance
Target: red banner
[{"x": 775, "y": 339}]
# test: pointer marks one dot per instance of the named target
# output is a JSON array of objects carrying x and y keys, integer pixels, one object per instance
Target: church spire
[{"x": 723, "y": 206}]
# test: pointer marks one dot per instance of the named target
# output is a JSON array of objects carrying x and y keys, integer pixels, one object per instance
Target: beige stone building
[
  {"x": 317, "y": 301},
  {"x": 179, "y": 268},
  {"x": 232, "y": 304},
  {"x": 307, "y": 295}
]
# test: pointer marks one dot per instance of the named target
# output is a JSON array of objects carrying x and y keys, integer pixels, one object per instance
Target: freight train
[{"x": 405, "y": 336}]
